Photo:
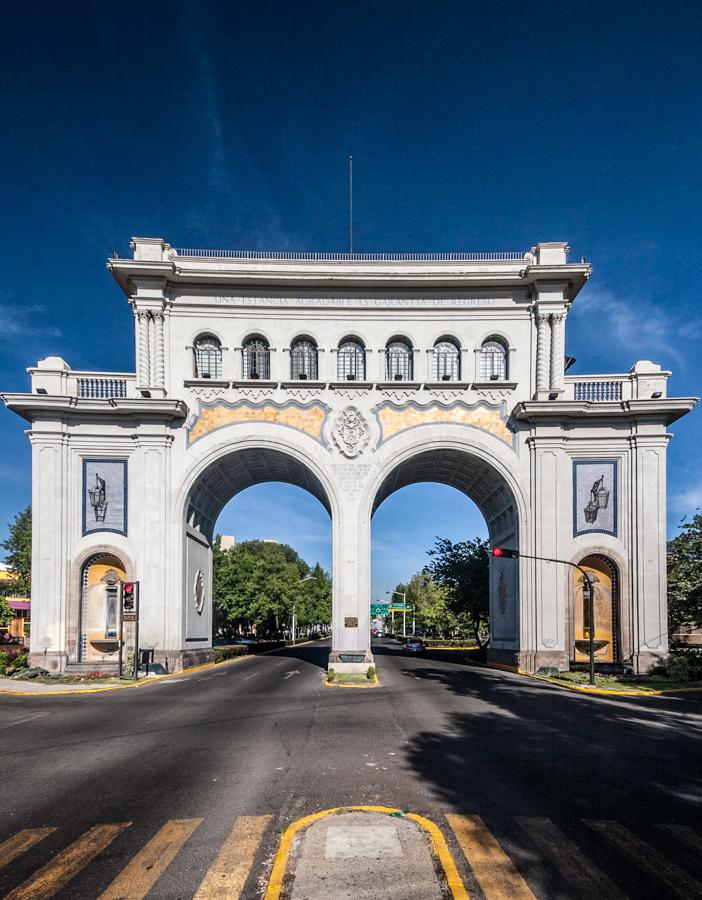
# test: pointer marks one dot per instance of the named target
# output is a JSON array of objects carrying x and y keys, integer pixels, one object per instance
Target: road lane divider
[
  {"x": 493, "y": 869},
  {"x": 647, "y": 858},
  {"x": 575, "y": 868},
  {"x": 141, "y": 874},
  {"x": 227, "y": 875},
  {"x": 21, "y": 842},
  {"x": 57, "y": 873}
]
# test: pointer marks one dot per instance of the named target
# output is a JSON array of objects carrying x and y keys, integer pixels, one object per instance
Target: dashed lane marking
[
  {"x": 141, "y": 874},
  {"x": 494, "y": 870},
  {"x": 227, "y": 875},
  {"x": 63, "y": 868},
  {"x": 21, "y": 842},
  {"x": 646, "y": 857},
  {"x": 589, "y": 882}
]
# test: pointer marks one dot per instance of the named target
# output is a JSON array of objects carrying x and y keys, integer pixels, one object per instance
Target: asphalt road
[{"x": 264, "y": 736}]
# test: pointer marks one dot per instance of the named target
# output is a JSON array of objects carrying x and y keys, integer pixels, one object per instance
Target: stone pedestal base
[
  {"x": 647, "y": 659},
  {"x": 355, "y": 662},
  {"x": 52, "y": 662},
  {"x": 530, "y": 660}
]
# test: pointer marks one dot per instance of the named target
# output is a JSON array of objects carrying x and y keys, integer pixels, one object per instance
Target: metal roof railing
[{"x": 351, "y": 257}]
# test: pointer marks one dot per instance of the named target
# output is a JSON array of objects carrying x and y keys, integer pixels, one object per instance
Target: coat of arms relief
[{"x": 351, "y": 433}]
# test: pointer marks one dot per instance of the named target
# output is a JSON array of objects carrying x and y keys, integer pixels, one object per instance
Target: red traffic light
[
  {"x": 130, "y": 590},
  {"x": 505, "y": 552}
]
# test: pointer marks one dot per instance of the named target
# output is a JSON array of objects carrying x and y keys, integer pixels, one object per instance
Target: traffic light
[
  {"x": 130, "y": 592},
  {"x": 505, "y": 553}
]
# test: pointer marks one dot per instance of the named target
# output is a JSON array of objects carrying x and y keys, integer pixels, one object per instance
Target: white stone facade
[{"x": 505, "y": 426}]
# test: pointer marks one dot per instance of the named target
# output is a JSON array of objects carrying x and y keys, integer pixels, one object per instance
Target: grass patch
[
  {"x": 644, "y": 683},
  {"x": 350, "y": 678}
]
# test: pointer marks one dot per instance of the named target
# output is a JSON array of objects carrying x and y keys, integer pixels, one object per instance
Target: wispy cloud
[
  {"x": 21, "y": 320},
  {"x": 644, "y": 328}
]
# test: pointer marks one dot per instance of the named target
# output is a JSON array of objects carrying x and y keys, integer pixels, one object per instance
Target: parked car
[
  {"x": 414, "y": 645},
  {"x": 374, "y": 632}
]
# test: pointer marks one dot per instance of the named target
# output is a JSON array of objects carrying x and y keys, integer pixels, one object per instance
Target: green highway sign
[
  {"x": 400, "y": 607},
  {"x": 379, "y": 609}
]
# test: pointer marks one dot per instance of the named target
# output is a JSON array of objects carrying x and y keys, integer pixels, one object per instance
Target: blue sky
[{"x": 472, "y": 127}]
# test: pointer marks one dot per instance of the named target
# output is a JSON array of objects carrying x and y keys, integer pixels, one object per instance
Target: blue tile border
[{"x": 84, "y": 501}]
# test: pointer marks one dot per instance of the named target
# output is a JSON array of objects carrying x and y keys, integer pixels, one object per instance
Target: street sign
[
  {"x": 379, "y": 609},
  {"x": 400, "y": 607}
]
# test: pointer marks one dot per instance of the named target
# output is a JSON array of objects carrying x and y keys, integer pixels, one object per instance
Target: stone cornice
[
  {"x": 42, "y": 406},
  {"x": 665, "y": 410},
  {"x": 358, "y": 274}
]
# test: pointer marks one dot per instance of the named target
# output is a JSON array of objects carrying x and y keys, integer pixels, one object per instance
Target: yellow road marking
[
  {"x": 141, "y": 874},
  {"x": 280, "y": 864},
  {"x": 687, "y": 835},
  {"x": 62, "y": 868},
  {"x": 227, "y": 875},
  {"x": 571, "y": 862},
  {"x": 493, "y": 869},
  {"x": 677, "y": 881},
  {"x": 21, "y": 842}
]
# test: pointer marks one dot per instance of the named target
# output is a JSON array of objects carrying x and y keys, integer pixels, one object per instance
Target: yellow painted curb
[
  {"x": 449, "y": 649},
  {"x": 280, "y": 863},
  {"x": 125, "y": 687},
  {"x": 583, "y": 689}
]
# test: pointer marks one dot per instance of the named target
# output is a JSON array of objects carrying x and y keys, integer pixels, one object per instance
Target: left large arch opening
[{"x": 211, "y": 507}]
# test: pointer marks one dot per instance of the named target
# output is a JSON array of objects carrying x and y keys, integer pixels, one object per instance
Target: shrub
[
  {"x": 3, "y": 662},
  {"x": 678, "y": 668},
  {"x": 370, "y": 674},
  {"x": 331, "y": 674},
  {"x": 229, "y": 651},
  {"x": 20, "y": 661}
]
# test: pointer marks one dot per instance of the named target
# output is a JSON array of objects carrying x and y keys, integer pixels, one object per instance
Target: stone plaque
[{"x": 350, "y": 622}]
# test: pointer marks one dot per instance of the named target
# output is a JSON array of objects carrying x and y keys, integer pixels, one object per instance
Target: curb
[
  {"x": 438, "y": 842},
  {"x": 185, "y": 673},
  {"x": 582, "y": 689},
  {"x": 364, "y": 687}
]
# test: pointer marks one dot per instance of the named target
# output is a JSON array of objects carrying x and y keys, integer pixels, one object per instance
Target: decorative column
[
  {"x": 144, "y": 356},
  {"x": 557, "y": 355},
  {"x": 160, "y": 351},
  {"x": 542, "y": 353}
]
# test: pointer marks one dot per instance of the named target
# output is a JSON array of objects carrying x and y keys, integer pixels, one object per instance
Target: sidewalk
[{"x": 31, "y": 686}]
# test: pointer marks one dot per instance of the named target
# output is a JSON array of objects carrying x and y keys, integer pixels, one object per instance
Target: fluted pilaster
[
  {"x": 557, "y": 354},
  {"x": 542, "y": 352}
]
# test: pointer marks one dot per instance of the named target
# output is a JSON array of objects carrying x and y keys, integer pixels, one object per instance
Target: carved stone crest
[
  {"x": 199, "y": 592},
  {"x": 351, "y": 433}
]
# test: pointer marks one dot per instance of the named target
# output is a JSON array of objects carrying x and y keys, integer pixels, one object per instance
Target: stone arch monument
[{"x": 350, "y": 376}]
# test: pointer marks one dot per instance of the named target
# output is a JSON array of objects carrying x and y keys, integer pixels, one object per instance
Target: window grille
[
  {"x": 398, "y": 361},
  {"x": 447, "y": 363},
  {"x": 493, "y": 361},
  {"x": 208, "y": 357},
  {"x": 351, "y": 365},
  {"x": 304, "y": 360},
  {"x": 257, "y": 358}
]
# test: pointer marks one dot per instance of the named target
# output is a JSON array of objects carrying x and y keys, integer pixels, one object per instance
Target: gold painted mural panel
[
  {"x": 309, "y": 419},
  {"x": 392, "y": 420}
]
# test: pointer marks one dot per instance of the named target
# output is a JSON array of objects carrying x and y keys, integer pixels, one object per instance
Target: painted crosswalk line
[
  {"x": 141, "y": 874},
  {"x": 21, "y": 842},
  {"x": 647, "y": 858},
  {"x": 227, "y": 875},
  {"x": 493, "y": 869},
  {"x": 587, "y": 880},
  {"x": 57, "y": 873}
]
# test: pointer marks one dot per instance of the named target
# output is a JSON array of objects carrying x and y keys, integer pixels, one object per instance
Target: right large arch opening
[{"x": 481, "y": 482}]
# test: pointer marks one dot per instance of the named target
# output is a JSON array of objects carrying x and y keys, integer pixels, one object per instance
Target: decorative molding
[
  {"x": 446, "y": 395},
  {"x": 304, "y": 395},
  {"x": 209, "y": 417},
  {"x": 351, "y": 393},
  {"x": 256, "y": 394},
  {"x": 393, "y": 419},
  {"x": 208, "y": 394},
  {"x": 494, "y": 395},
  {"x": 351, "y": 433},
  {"x": 399, "y": 396}
]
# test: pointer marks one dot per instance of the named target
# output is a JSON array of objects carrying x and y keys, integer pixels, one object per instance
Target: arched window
[
  {"x": 398, "y": 360},
  {"x": 208, "y": 357},
  {"x": 493, "y": 360},
  {"x": 447, "y": 361},
  {"x": 303, "y": 360},
  {"x": 352, "y": 361},
  {"x": 257, "y": 358}
]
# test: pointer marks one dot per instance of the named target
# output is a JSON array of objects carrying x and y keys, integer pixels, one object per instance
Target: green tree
[
  {"x": 430, "y": 602},
  {"x": 256, "y": 583},
  {"x": 19, "y": 551},
  {"x": 6, "y": 613},
  {"x": 685, "y": 575},
  {"x": 463, "y": 569}
]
